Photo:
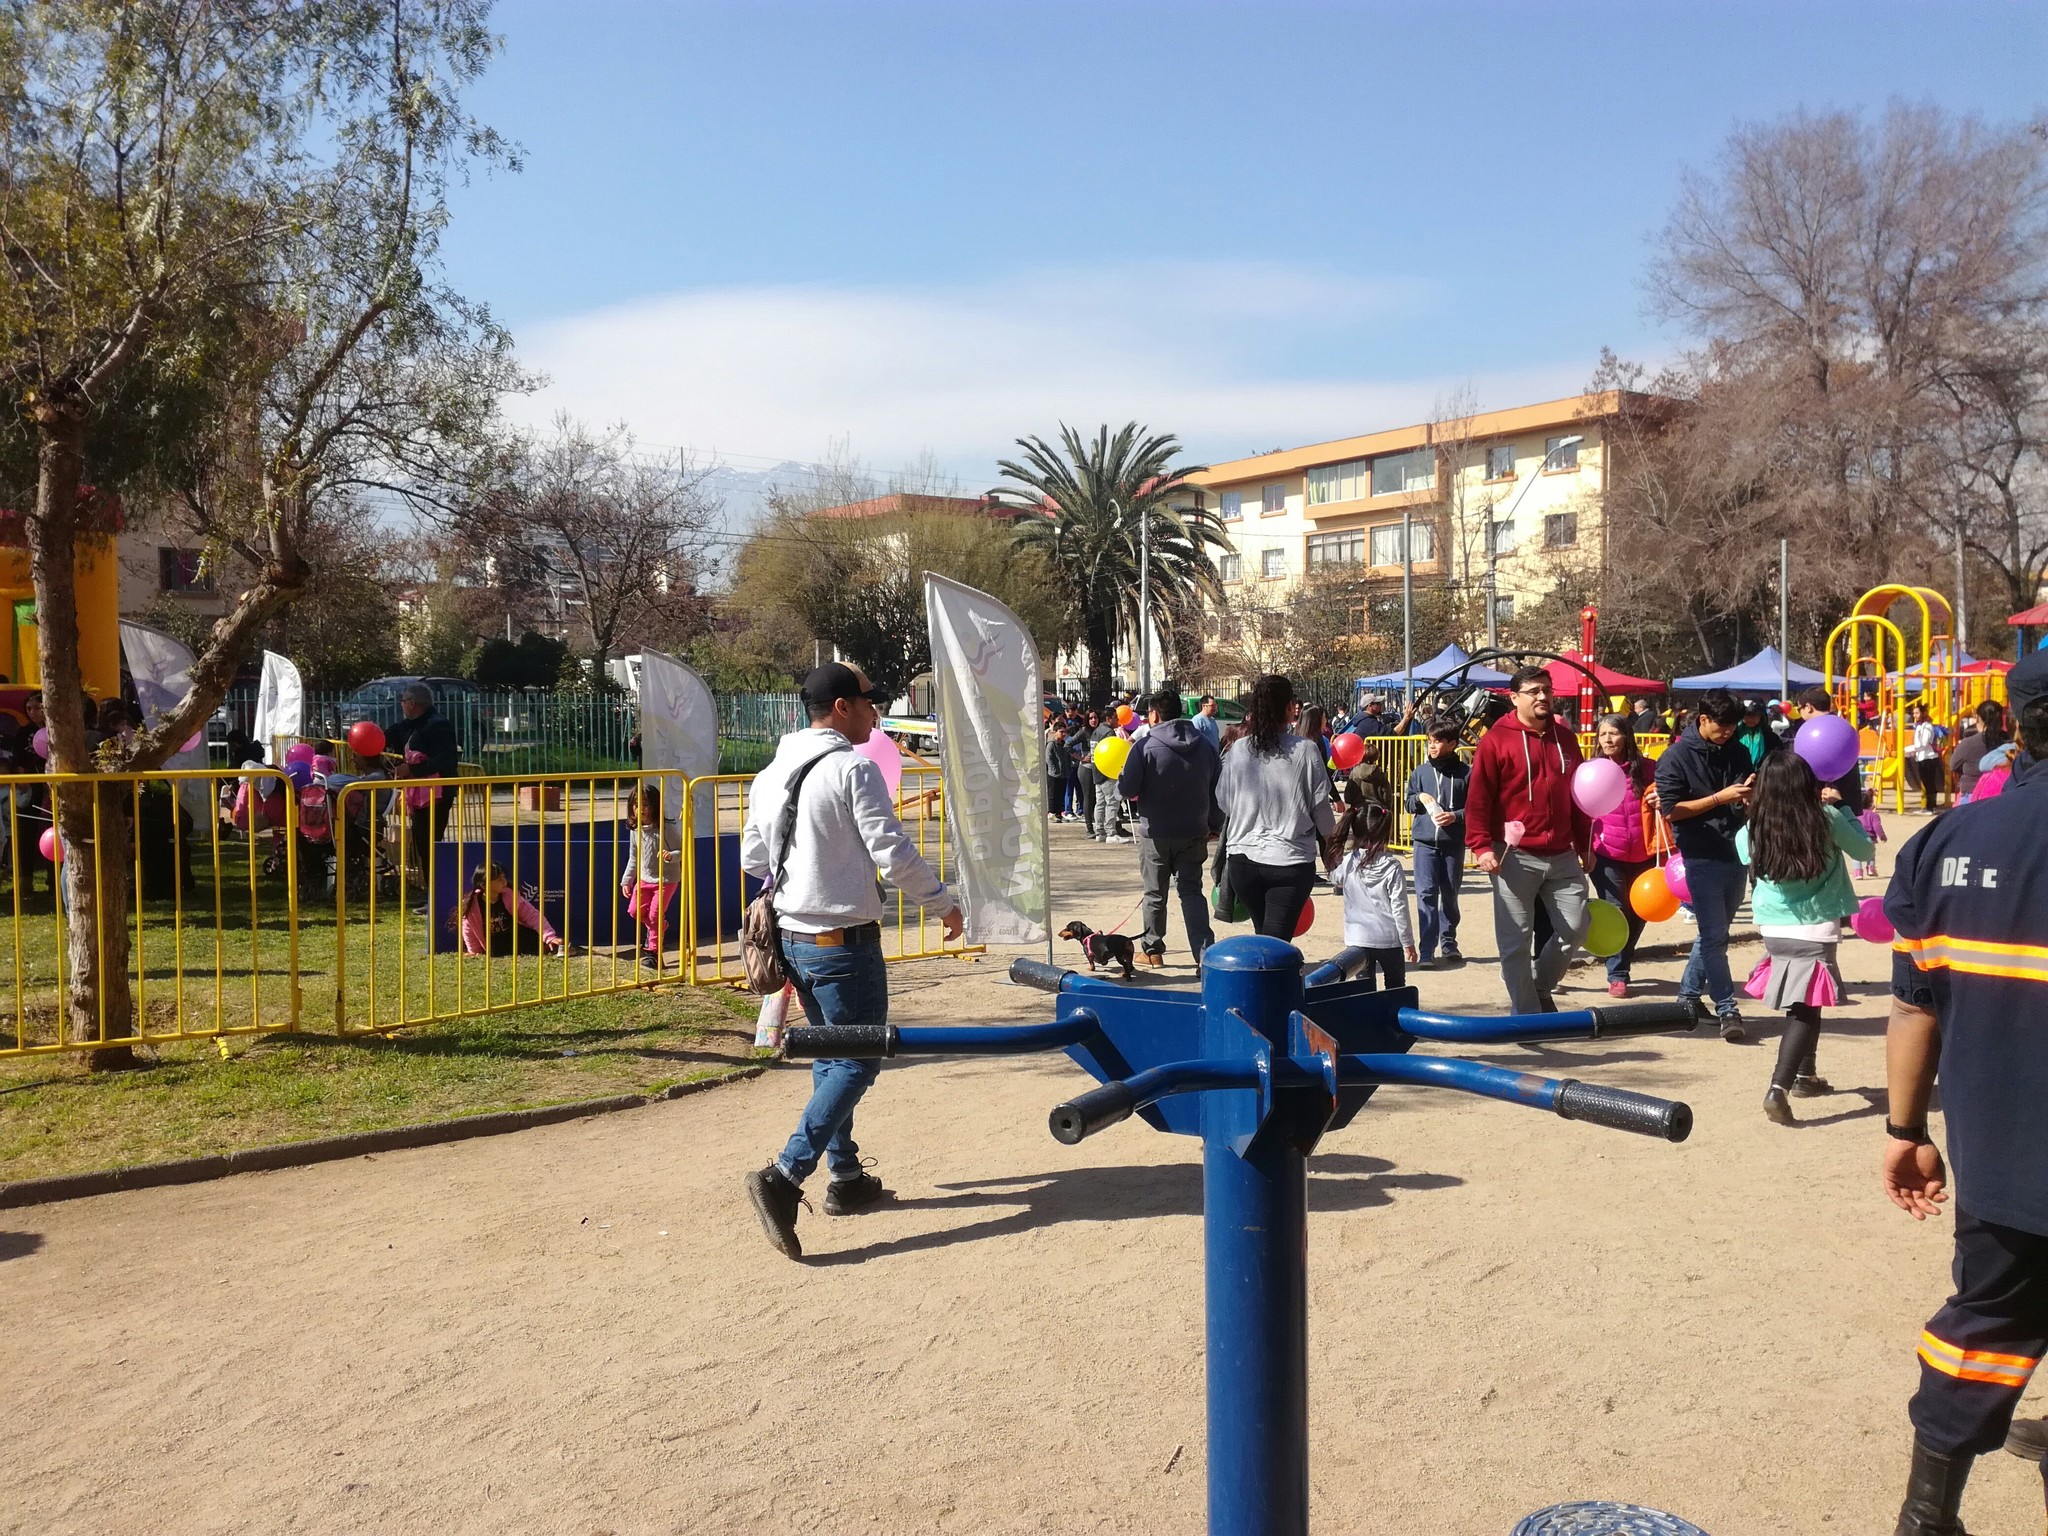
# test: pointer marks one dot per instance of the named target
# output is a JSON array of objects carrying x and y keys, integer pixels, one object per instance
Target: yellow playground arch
[{"x": 1874, "y": 686}]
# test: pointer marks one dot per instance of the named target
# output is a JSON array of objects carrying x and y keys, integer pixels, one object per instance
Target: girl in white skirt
[{"x": 1795, "y": 845}]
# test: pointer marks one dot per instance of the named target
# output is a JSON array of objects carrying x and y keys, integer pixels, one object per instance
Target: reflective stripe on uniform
[
  {"x": 1977, "y": 1364},
  {"x": 1977, "y": 957}
]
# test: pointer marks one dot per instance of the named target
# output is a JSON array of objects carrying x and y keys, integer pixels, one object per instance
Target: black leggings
[
  {"x": 1391, "y": 964},
  {"x": 1932, "y": 777},
  {"x": 1796, "y": 1045},
  {"x": 1275, "y": 893}
]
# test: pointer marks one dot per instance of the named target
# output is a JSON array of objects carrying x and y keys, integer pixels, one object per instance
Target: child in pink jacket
[
  {"x": 656, "y": 873},
  {"x": 496, "y": 920}
]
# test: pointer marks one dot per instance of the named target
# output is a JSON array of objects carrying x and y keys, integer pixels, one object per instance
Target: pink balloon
[
  {"x": 300, "y": 752},
  {"x": 1599, "y": 785},
  {"x": 41, "y": 742},
  {"x": 1511, "y": 833},
  {"x": 1870, "y": 922},
  {"x": 1674, "y": 878},
  {"x": 51, "y": 845},
  {"x": 885, "y": 755}
]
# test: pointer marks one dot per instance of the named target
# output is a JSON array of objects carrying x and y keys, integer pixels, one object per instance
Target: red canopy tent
[
  {"x": 1566, "y": 681},
  {"x": 2031, "y": 617},
  {"x": 1986, "y": 666}
]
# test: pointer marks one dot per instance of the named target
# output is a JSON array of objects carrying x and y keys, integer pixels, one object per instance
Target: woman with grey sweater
[{"x": 1275, "y": 794}]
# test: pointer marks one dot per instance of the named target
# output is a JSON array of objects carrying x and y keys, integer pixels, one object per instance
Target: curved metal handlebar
[
  {"x": 1100, "y": 1108},
  {"x": 1042, "y": 974}
]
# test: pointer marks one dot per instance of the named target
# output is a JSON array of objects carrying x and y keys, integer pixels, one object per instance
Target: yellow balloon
[
  {"x": 1606, "y": 929},
  {"x": 1110, "y": 753}
]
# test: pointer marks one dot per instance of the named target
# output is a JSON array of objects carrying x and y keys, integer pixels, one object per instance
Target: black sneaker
[
  {"x": 843, "y": 1197},
  {"x": 775, "y": 1202},
  {"x": 1731, "y": 1027},
  {"x": 1811, "y": 1087},
  {"x": 1451, "y": 956},
  {"x": 1777, "y": 1108},
  {"x": 1545, "y": 1003}
]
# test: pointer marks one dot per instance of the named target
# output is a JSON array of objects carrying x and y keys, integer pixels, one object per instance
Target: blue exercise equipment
[{"x": 1259, "y": 1064}]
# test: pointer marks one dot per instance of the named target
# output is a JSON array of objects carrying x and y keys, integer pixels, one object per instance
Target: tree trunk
[
  {"x": 1101, "y": 662},
  {"x": 98, "y": 1004}
]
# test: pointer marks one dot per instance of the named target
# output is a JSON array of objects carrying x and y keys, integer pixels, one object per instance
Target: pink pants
[{"x": 649, "y": 904}]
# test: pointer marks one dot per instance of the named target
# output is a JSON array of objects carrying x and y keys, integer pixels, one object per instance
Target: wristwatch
[{"x": 1917, "y": 1134}]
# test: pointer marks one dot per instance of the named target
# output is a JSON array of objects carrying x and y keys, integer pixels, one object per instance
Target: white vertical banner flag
[
  {"x": 985, "y": 671},
  {"x": 280, "y": 704},
  {"x": 162, "y": 669},
  {"x": 678, "y": 734}
]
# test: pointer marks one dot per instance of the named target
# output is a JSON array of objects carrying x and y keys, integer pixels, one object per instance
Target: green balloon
[
  {"x": 1606, "y": 929},
  {"x": 1239, "y": 912}
]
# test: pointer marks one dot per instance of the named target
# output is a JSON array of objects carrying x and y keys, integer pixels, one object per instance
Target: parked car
[{"x": 377, "y": 700}]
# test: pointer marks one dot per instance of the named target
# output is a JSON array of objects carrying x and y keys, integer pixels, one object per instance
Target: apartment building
[{"x": 1538, "y": 474}]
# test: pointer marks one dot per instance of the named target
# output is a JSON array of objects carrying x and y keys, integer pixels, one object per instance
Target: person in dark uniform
[{"x": 1969, "y": 900}]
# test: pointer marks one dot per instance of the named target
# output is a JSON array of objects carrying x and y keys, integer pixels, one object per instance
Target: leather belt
[{"x": 835, "y": 938}]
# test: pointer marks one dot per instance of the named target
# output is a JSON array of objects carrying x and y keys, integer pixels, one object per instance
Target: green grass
[{"x": 196, "y": 1097}]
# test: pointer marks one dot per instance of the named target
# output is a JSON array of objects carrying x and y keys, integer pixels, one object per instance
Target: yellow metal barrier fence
[
  {"x": 1400, "y": 756},
  {"x": 210, "y": 919},
  {"x": 717, "y": 809}
]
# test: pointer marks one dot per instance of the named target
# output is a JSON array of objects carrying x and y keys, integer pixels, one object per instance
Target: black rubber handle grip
[
  {"x": 1039, "y": 973},
  {"x": 1642, "y": 1019},
  {"x": 1622, "y": 1110},
  {"x": 844, "y": 1042},
  {"x": 1096, "y": 1110}
]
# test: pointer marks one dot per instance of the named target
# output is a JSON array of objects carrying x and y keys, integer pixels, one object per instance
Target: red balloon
[
  {"x": 1347, "y": 751},
  {"x": 1308, "y": 917},
  {"x": 366, "y": 738}
]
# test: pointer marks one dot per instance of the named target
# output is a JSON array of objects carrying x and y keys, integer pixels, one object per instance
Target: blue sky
[{"x": 759, "y": 228}]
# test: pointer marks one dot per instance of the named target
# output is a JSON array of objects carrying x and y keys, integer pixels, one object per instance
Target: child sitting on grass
[{"x": 1375, "y": 888}]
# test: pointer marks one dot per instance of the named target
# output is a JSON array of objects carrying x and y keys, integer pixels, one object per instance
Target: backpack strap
[{"x": 787, "y": 822}]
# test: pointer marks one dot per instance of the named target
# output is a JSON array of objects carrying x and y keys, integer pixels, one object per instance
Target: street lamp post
[
  {"x": 1407, "y": 609},
  {"x": 1144, "y": 602},
  {"x": 1493, "y": 537}
]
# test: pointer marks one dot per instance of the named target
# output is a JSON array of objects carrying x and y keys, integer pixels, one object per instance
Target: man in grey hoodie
[{"x": 1171, "y": 776}]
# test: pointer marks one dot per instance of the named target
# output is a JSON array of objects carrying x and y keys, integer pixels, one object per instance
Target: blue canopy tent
[
  {"x": 1758, "y": 675},
  {"x": 1441, "y": 665}
]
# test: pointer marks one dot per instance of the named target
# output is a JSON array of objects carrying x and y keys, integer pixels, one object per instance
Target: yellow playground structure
[{"x": 1883, "y": 671}]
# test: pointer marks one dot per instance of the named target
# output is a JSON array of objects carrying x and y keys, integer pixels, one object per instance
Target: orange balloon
[
  {"x": 1652, "y": 898},
  {"x": 1124, "y": 715}
]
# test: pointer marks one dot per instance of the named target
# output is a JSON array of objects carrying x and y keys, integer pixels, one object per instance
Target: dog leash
[{"x": 1127, "y": 916}]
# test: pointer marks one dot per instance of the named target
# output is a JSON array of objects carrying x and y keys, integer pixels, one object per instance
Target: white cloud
[{"x": 1214, "y": 351}]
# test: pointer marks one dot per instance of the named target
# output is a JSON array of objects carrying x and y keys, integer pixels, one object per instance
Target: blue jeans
[
  {"x": 1439, "y": 867},
  {"x": 1717, "y": 890},
  {"x": 840, "y": 984}
]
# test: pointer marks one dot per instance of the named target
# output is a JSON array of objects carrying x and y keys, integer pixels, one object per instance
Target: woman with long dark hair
[
  {"x": 1275, "y": 794},
  {"x": 1794, "y": 844},
  {"x": 1620, "y": 850}
]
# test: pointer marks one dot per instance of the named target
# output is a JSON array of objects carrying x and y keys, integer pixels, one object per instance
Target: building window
[
  {"x": 1504, "y": 609},
  {"x": 1504, "y": 536},
  {"x": 1383, "y": 614},
  {"x": 1339, "y": 482},
  {"x": 1500, "y": 462},
  {"x": 1328, "y": 550},
  {"x": 1386, "y": 543},
  {"x": 1272, "y": 626},
  {"x": 1230, "y": 631},
  {"x": 180, "y": 570},
  {"x": 1414, "y": 470},
  {"x": 1233, "y": 506},
  {"x": 1565, "y": 460},
  {"x": 1272, "y": 563},
  {"x": 1230, "y": 567},
  {"x": 1272, "y": 500},
  {"x": 1560, "y": 530}
]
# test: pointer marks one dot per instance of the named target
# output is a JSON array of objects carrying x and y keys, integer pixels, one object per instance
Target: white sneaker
[{"x": 1117, "y": 839}]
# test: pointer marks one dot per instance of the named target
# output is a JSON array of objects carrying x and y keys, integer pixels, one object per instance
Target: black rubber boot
[
  {"x": 2028, "y": 1438},
  {"x": 1934, "y": 1494}
]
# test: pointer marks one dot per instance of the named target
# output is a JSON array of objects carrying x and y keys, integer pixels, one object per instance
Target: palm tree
[{"x": 1086, "y": 510}]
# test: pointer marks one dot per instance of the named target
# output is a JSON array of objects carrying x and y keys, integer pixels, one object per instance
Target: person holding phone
[{"x": 1704, "y": 781}]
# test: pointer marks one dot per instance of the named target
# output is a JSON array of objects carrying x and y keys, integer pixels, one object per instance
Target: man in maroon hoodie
[{"x": 1522, "y": 774}]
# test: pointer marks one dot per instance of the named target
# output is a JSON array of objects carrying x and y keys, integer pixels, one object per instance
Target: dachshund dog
[{"x": 1101, "y": 948}]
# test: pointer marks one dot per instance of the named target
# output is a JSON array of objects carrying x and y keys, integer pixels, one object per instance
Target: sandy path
[{"x": 580, "y": 1329}]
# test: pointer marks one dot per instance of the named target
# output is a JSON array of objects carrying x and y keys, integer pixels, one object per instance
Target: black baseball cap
[
  {"x": 825, "y": 686},
  {"x": 2026, "y": 682}
]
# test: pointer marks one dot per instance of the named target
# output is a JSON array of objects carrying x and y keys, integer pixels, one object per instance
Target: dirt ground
[{"x": 580, "y": 1329}]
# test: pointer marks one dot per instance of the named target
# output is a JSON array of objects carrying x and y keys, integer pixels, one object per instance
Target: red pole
[{"x": 1589, "y": 696}]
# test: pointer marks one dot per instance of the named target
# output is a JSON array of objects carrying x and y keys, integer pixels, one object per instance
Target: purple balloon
[
  {"x": 1674, "y": 879},
  {"x": 300, "y": 773},
  {"x": 1829, "y": 744}
]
